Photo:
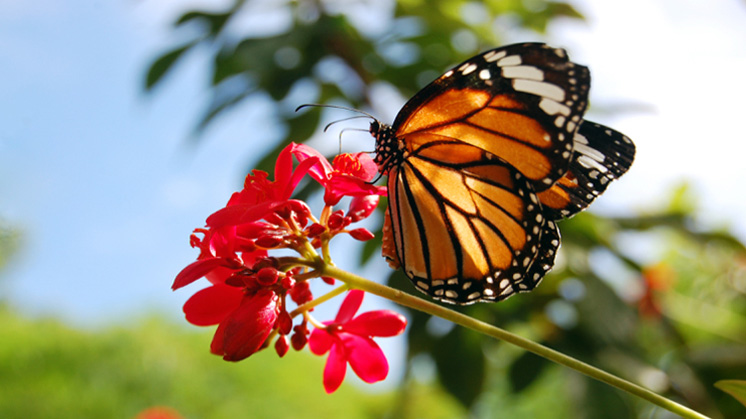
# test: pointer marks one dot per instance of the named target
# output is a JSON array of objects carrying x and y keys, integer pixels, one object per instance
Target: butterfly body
[{"x": 480, "y": 165}]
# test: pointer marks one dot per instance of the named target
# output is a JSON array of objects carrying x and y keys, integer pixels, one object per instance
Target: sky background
[{"x": 106, "y": 189}]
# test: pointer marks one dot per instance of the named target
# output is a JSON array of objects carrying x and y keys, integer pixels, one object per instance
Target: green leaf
[
  {"x": 461, "y": 364},
  {"x": 736, "y": 388},
  {"x": 164, "y": 63},
  {"x": 525, "y": 370}
]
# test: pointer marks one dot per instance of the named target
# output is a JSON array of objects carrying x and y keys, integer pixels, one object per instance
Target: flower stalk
[{"x": 479, "y": 326}]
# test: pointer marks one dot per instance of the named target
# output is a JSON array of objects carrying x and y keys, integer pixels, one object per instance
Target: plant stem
[{"x": 420, "y": 304}]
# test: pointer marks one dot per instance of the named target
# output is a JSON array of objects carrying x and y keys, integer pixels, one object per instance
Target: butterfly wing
[
  {"x": 466, "y": 227},
  {"x": 522, "y": 103},
  {"x": 600, "y": 155}
]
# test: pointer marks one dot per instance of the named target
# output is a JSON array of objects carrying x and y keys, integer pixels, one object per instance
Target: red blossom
[
  {"x": 656, "y": 279},
  {"x": 159, "y": 412},
  {"x": 247, "y": 295},
  {"x": 348, "y": 175},
  {"x": 348, "y": 339}
]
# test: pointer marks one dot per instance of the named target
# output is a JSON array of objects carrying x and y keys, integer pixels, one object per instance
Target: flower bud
[
  {"x": 336, "y": 220},
  {"x": 282, "y": 346},
  {"x": 284, "y": 323},
  {"x": 361, "y": 234},
  {"x": 301, "y": 293},
  {"x": 362, "y": 207},
  {"x": 314, "y": 230},
  {"x": 267, "y": 276},
  {"x": 268, "y": 242},
  {"x": 287, "y": 282},
  {"x": 300, "y": 337}
]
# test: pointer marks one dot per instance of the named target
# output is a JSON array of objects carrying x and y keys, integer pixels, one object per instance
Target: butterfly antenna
[
  {"x": 344, "y": 119},
  {"x": 322, "y": 105}
]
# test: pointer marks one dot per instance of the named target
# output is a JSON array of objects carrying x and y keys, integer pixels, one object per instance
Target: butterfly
[{"x": 482, "y": 162}]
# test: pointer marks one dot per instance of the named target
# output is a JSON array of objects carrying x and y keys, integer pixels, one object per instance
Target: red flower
[
  {"x": 348, "y": 175},
  {"x": 349, "y": 340},
  {"x": 247, "y": 298},
  {"x": 159, "y": 412}
]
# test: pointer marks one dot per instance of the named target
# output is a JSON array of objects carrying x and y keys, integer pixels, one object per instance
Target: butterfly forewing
[{"x": 522, "y": 103}]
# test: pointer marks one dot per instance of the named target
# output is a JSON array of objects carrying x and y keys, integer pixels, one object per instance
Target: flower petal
[
  {"x": 320, "y": 341},
  {"x": 346, "y": 185},
  {"x": 241, "y": 214},
  {"x": 349, "y": 306},
  {"x": 304, "y": 167},
  {"x": 218, "y": 340},
  {"x": 381, "y": 323},
  {"x": 248, "y": 326},
  {"x": 284, "y": 168},
  {"x": 367, "y": 167},
  {"x": 335, "y": 369},
  {"x": 197, "y": 270},
  {"x": 365, "y": 357},
  {"x": 212, "y": 304},
  {"x": 322, "y": 170}
]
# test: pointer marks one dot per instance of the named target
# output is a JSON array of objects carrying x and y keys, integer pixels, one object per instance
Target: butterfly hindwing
[
  {"x": 600, "y": 156},
  {"x": 466, "y": 228}
]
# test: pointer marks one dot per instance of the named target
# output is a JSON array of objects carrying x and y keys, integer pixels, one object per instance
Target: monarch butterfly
[{"x": 482, "y": 162}]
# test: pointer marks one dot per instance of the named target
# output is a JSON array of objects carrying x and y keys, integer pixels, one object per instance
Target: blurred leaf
[
  {"x": 461, "y": 364},
  {"x": 214, "y": 22},
  {"x": 736, "y": 388},
  {"x": 10, "y": 241},
  {"x": 164, "y": 63},
  {"x": 682, "y": 200},
  {"x": 525, "y": 370},
  {"x": 600, "y": 402},
  {"x": 228, "y": 94}
]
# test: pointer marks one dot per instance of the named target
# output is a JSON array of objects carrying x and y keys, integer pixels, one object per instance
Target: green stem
[
  {"x": 417, "y": 303},
  {"x": 324, "y": 298}
]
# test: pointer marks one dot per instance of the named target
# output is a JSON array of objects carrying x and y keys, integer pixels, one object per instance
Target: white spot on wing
[
  {"x": 590, "y": 152},
  {"x": 523, "y": 72},
  {"x": 509, "y": 60},
  {"x": 539, "y": 88},
  {"x": 493, "y": 56},
  {"x": 485, "y": 74},
  {"x": 469, "y": 68},
  {"x": 553, "y": 107}
]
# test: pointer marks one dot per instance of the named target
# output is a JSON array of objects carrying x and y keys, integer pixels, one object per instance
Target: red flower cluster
[{"x": 248, "y": 295}]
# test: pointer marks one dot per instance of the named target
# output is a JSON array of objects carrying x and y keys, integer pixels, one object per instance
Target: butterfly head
[{"x": 388, "y": 151}]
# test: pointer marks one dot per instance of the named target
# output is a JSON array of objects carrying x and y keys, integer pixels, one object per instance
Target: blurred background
[{"x": 124, "y": 124}]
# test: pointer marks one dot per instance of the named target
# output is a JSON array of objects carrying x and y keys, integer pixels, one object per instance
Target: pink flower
[
  {"x": 349, "y": 340},
  {"x": 348, "y": 175}
]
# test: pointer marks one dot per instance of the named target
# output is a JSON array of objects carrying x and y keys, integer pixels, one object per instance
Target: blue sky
[{"x": 100, "y": 178}]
